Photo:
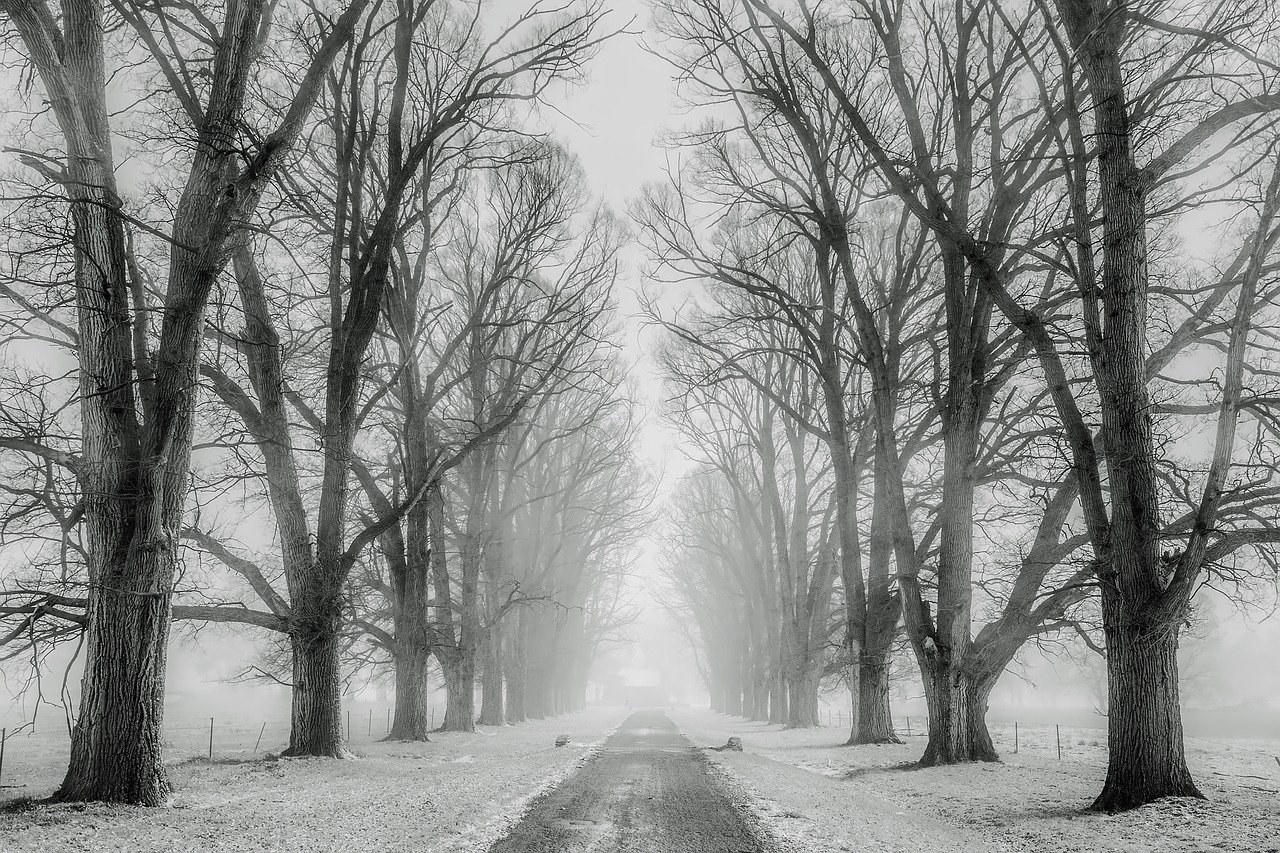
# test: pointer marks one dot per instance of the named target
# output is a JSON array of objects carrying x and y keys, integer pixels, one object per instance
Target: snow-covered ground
[
  {"x": 455, "y": 794},
  {"x": 816, "y": 796}
]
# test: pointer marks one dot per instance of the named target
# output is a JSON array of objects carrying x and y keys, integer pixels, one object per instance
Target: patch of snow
[
  {"x": 814, "y": 794},
  {"x": 399, "y": 797}
]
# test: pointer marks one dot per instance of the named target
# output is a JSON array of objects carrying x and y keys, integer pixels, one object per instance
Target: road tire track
[{"x": 647, "y": 790}]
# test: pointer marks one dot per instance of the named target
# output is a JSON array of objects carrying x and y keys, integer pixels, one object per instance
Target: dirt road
[{"x": 648, "y": 790}]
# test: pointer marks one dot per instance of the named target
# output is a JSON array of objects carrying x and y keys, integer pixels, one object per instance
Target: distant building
[{"x": 639, "y": 688}]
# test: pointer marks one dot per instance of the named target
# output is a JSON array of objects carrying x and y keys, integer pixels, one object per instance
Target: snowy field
[
  {"x": 807, "y": 793},
  {"x": 454, "y": 795},
  {"x": 815, "y": 796}
]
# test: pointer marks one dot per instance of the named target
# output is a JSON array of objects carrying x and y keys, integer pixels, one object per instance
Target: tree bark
[
  {"x": 777, "y": 696},
  {"x": 957, "y": 719},
  {"x": 874, "y": 721},
  {"x": 459, "y": 685},
  {"x": 1144, "y": 724},
  {"x": 802, "y": 704},
  {"x": 317, "y": 677},
  {"x": 1145, "y": 751},
  {"x": 517, "y": 668},
  {"x": 492, "y": 702},
  {"x": 115, "y": 746},
  {"x": 411, "y": 717}
]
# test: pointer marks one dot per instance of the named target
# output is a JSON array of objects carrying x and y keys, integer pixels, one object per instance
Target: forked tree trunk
[
  {"x": 316, "y": 728},
  {"x": 1144, "y": 727},
  {"x": 115, "y": 746},
  {"x": 957, "y": 719}
]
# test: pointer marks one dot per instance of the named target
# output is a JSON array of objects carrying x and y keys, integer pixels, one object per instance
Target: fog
[{"x": 445, "y": 368}]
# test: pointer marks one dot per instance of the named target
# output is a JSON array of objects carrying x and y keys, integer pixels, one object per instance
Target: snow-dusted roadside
[
  {"x": 457, "y": 793},
  {"x": 814, "y": 795}
]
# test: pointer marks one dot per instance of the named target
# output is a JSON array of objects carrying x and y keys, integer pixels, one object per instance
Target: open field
[
  {"x": 809, "y": 794},
  {"x": 818, "y": 796},
  {"x": 457, "y": 793}
]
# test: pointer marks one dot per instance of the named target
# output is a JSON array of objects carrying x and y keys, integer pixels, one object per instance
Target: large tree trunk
[
  {"x": 115, "y": 747},
  {"x": 802, "y": 705},
  {"x": 1144, "y": 726},
  {"x": 874, "y": 721},
  {"x": 957, "y": 719},
  {"x": 459, "y": 686},
  {"x": 943, "y": 652},
  {"x": 411, "y": 719},
  {"x": 317, "y": 699},
  {"x": 1145, "y": 750}
]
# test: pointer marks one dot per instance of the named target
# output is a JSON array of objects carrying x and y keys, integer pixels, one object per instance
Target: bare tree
[
  {"x": 1106, "y": 77},
  {"x": 136, "y": 402}
]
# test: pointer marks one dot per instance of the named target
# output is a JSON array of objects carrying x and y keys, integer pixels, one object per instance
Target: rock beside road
[{"x": 734, "y": 745}]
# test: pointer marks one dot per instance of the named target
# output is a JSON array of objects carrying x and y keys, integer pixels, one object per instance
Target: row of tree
[
  {"x": 979, "y": 344},
  {"x": 307, "y": 329}
]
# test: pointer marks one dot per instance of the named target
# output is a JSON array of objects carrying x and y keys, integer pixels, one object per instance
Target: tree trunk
[
  {"x": 874, "y": 721},
  {"x": 540, "y": 671},
  {"x": 1144, "y": 728},
  {"x": 733, "y": 693},
  {"x": 492, "y": 706},
  {"x": 778, "y": 697},
  {"x": 1145, "y": 752},
  {"x": 516, "y": 669},
  {"x": 957, "y": 719},
  {"x": 317, "y": 705},
  {"x": 115, "y": 747},
  {"x": 411, "y": 718},
  {"x": 802, "y": 707},
  {"x": 748, "y": 687},
  {"x": 760, "y": 693},
  {"x": 459, "y": 686}
]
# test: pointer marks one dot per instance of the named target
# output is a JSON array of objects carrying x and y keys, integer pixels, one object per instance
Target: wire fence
[
  {"x": 28, "y": 749},
  {"x": 1013, "y": 737}
]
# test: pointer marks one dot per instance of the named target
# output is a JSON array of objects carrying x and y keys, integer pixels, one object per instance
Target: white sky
[{"x": 613, "y": 123}]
